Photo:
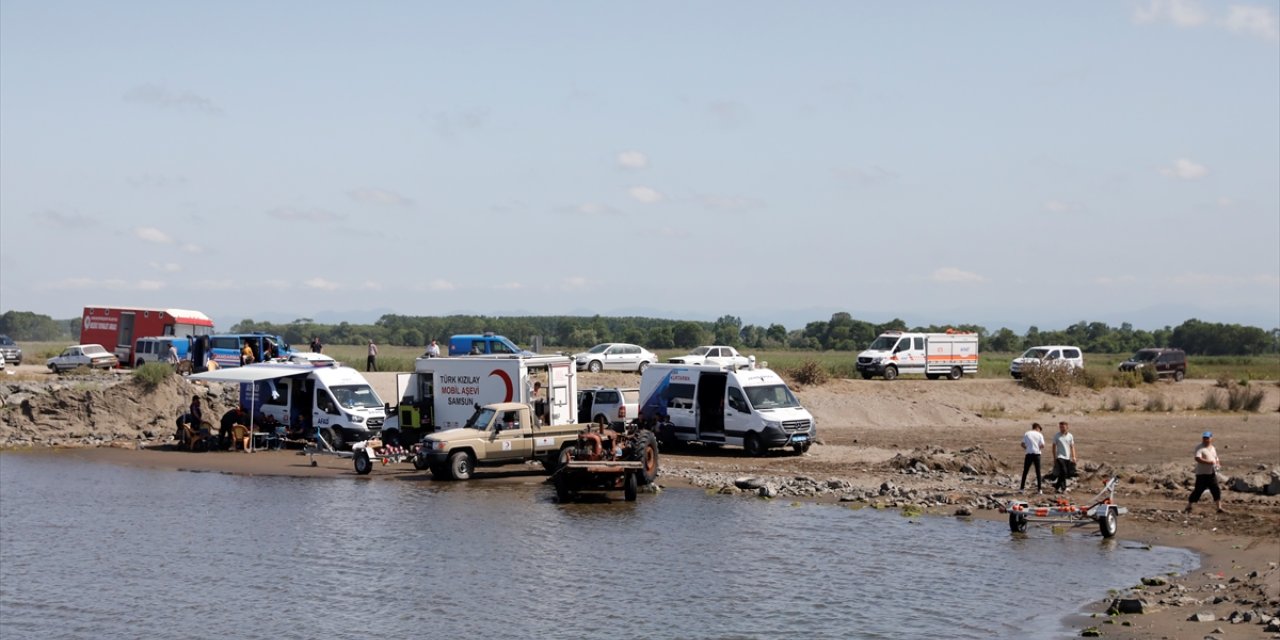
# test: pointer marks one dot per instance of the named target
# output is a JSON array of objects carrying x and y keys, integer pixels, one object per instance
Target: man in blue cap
[{"x": 1207, "y": 465}]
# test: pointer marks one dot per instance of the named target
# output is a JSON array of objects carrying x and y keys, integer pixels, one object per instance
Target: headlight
[{"x": 357, "y": 419}]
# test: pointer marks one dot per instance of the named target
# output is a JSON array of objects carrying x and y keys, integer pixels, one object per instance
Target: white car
[
  {"x": 615, "y": 356},
  {"x": 313, "y": 359},
  {"x": 82, "y": 355},
  {"x": 1054, "y": 354},
  {"x": 713, "y": 354}
]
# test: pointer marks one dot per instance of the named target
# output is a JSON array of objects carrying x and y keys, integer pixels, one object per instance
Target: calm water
[{"x": 96, "y": 551}]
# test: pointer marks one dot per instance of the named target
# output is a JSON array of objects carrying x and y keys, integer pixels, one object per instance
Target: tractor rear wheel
[{"x": 648, "y": 457}]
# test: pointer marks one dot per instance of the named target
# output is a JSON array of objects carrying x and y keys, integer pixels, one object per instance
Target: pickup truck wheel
[
  {"x": 594, "y": 366},
  {"x": 362, "y": 463},
  {"x": 751, "y": 444},
  {"x": 890, "y": 372},
  {"x": 630, "y": 486},
  {"x": 648, "y": 457},
  {"x": 955, "y": 373},
  {"x": 1017, "y": 523},
  {"x": 460, "y": 465}
]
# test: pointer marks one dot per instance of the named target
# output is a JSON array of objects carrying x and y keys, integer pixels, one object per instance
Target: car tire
[
  {"x": 751, "y": 445},
  {"x": 594, "y": 366},
  {"x": 1179, "y": 375},
  {"x": 890, "y": 372},
  {"x": 955, "y": 374},
  {"x": 460, "y": 465},
  {"x": 866, "y": 375},
  {"x": 643, "y": 365}
]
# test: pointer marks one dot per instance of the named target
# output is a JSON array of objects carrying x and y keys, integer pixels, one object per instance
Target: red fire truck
[{"x": 116, "y": 328}]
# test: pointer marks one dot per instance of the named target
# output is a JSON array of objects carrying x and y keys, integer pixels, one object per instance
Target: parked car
[
  {"x": 82, "y": 355},
  {"x": 1056, "y": 355},
  {"x": 12, "y": 354},
  {"x": 1166, "y": 362},
  {"x": 714, "y": 354},
  {"x": 470, "y": 344},
  {"x": 611, "y": 405},
  {"x": 313, "y": 359},
  {"x": 614, "y": 356}
]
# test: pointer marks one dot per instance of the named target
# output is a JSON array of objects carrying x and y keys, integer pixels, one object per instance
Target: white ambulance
[
  {"x": 442, "y": 393},
  {"x": 723, "y": 405},
  {"x": 951, "y": 354}
]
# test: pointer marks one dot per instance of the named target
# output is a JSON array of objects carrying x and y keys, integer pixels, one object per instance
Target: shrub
[
  {"x": 1114, "y": 403},
  {"x": 151, "y": 374},
  {"x": 810, "y": 372},
  {"x": 1157, "y": 403},
  {"x": 1094, "y": 379},
  {"x": 1050, "y": 379},
  {"x": 1244, "y": 398},
  {"x": 1212, "y": 401},
  {"x": 1224, "y": 381},
  {"x": 1149, "y": 375},
  {"x": 992, "y": 411},
  {"x": 1126, "y": 379}
]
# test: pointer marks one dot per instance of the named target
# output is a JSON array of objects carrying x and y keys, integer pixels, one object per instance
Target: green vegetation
[
  {"x": 810, "y": 372},
  {"x": 150, "y": 375}
]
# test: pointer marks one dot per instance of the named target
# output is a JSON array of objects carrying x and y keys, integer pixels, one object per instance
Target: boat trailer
[{"x": 1103, "y": 511}]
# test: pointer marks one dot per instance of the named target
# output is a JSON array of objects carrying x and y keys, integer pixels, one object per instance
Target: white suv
[
  {"x": 616, "y": 356},
  {"x": 611, "y": 405},
  {"x": 1056, "y": 355}
]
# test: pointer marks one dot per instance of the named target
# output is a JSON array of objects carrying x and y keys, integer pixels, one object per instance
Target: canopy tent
[{"x": 252, "y": 374}]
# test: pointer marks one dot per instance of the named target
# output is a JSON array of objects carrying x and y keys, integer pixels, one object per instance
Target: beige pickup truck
[{"x": 496, "y": 434}]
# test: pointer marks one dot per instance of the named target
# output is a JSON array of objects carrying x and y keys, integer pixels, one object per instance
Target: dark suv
[
  {"x": 1167, "y": 362},
  {"x": 12, "y": 354}
]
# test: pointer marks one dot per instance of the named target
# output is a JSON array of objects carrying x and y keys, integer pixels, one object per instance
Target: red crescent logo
[{"x": 506, "y": 379}]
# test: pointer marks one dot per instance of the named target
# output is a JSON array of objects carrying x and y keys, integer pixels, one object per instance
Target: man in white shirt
[
  {"x": 433, "y": 351},
  {"x": 1064, "y": 452},
  {"x": 1207, "y": 465},
  {"x": 1033, "y": 442}
]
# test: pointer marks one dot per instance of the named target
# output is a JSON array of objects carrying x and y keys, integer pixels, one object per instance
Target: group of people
[
  {"x": 233, "y": 429},
  {"x": 1064, "y": 452}
]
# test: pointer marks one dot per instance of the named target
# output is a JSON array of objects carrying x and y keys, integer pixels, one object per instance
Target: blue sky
[{"x": 999, "y": 163}]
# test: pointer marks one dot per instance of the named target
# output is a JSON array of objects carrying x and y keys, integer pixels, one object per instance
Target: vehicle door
[
  {"x": 586, "y": 402},
  {"x": 625, "y": 357},
  {"x": 738, "y": 415},
  {"x": 325, "y": 412},
  {"x": 713, "y": 356},
  {"x": 911, "y": 354},
  {"x": 1072, "y": 357},
  {"x": 510, "y": 436}
]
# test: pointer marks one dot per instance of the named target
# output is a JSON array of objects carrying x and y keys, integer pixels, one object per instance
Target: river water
[{"x": 92, "y": 550}]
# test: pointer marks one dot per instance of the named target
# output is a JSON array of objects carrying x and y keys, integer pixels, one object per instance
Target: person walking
[
  {"x": 172, "y": 356},
  {"x": 1064, "y": 456},
  {"x": 371, "y": 362},
  {"x": 1033, "y": 443},
  {"x": 1207, "y": 465}
]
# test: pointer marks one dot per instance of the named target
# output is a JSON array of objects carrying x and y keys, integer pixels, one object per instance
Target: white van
[
  {"x": 335, "y": 401},
  {"x": 951, "y": 354},
  {"x": 722, "y": 404}
]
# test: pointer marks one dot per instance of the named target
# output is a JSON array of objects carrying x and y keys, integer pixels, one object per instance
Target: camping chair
[
  {"x": 193, "y": 438},
  {"x": 240, "y": 436}
]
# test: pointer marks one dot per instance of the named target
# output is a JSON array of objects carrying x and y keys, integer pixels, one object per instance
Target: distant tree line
[{"x": 841, "y": 333}]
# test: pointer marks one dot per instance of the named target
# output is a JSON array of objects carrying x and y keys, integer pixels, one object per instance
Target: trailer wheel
[
  {"x": 629, "y": 486},
  {"x": 955, "y": 373},
  {"x": 335, "y": 438},
  {"x": 362, "y": 463},
  {"x": 751, "y": 444},
  {"x": 1017, "y": 523},
  {"x": 563, "y": 493},
  {"x": 1107, "y": 524},
  {"x": 420, "y": 463},
  {"x": 595, "y": 366},
  {"x": 460, "y": 465},
  {"x": 890, "y": 372}
]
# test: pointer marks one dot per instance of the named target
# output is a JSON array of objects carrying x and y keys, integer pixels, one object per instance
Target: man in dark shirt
[{"x": 236, "y": 416}]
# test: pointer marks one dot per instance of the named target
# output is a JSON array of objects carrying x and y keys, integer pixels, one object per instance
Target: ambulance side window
[
  {"x": 919, "y": 344},
  {"x": 737, "y": 402},
  {"x": 902, "y": 345}
]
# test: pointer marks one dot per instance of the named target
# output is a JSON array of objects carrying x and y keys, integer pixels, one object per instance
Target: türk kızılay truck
[
  {"x": 951, "y": 354},
  {"x": 734, "y": 405}
]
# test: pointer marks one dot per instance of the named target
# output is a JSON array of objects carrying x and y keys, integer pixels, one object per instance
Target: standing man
[
  {"x": 172, "y": 356},
  {"x": 1064, "y": 456},
  {"x": 371, "y": 362},
  {"x": 1033, "y": 442},
  {"x": 433, "y": 351},
  {"x": 539, "y": 405},
  {"x": 315, "y": 344},
  {"x": 1207, "y": 465}
]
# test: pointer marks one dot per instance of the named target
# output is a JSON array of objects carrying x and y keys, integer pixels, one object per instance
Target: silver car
[
  {"x": 82, "y": 355},
  {"x": 616, "y": 356}
]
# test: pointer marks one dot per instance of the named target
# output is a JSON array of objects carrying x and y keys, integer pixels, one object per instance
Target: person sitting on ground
[{"x": 298, "y": 430}]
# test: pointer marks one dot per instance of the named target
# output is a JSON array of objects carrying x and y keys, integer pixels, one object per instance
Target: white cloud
[
  {"x": 1185, "y": 169},
  {"x": 293, "y": 214},
  {"x": 379, "y": 196},
  {"x": 167, "y": 267},
  {"x": 321, "y": 283},
  {"x": 574, "y": 283},
  {"x": 633, "y": 160},
  {"x": 646, "y": 195},
  {"x": 1181, "y": 13},
  {"x": 954, "y": 275},
  {"x": 593, "y": 209},
  {"x": 152, "y": 234},
  {"x": 160, "y": 96},
  {"x": 441, "y": 285},
  {"x": 1252, "y": 21}
]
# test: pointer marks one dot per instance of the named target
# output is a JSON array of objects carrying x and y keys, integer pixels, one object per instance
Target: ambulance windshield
[{"x": 883, "y": 343}]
